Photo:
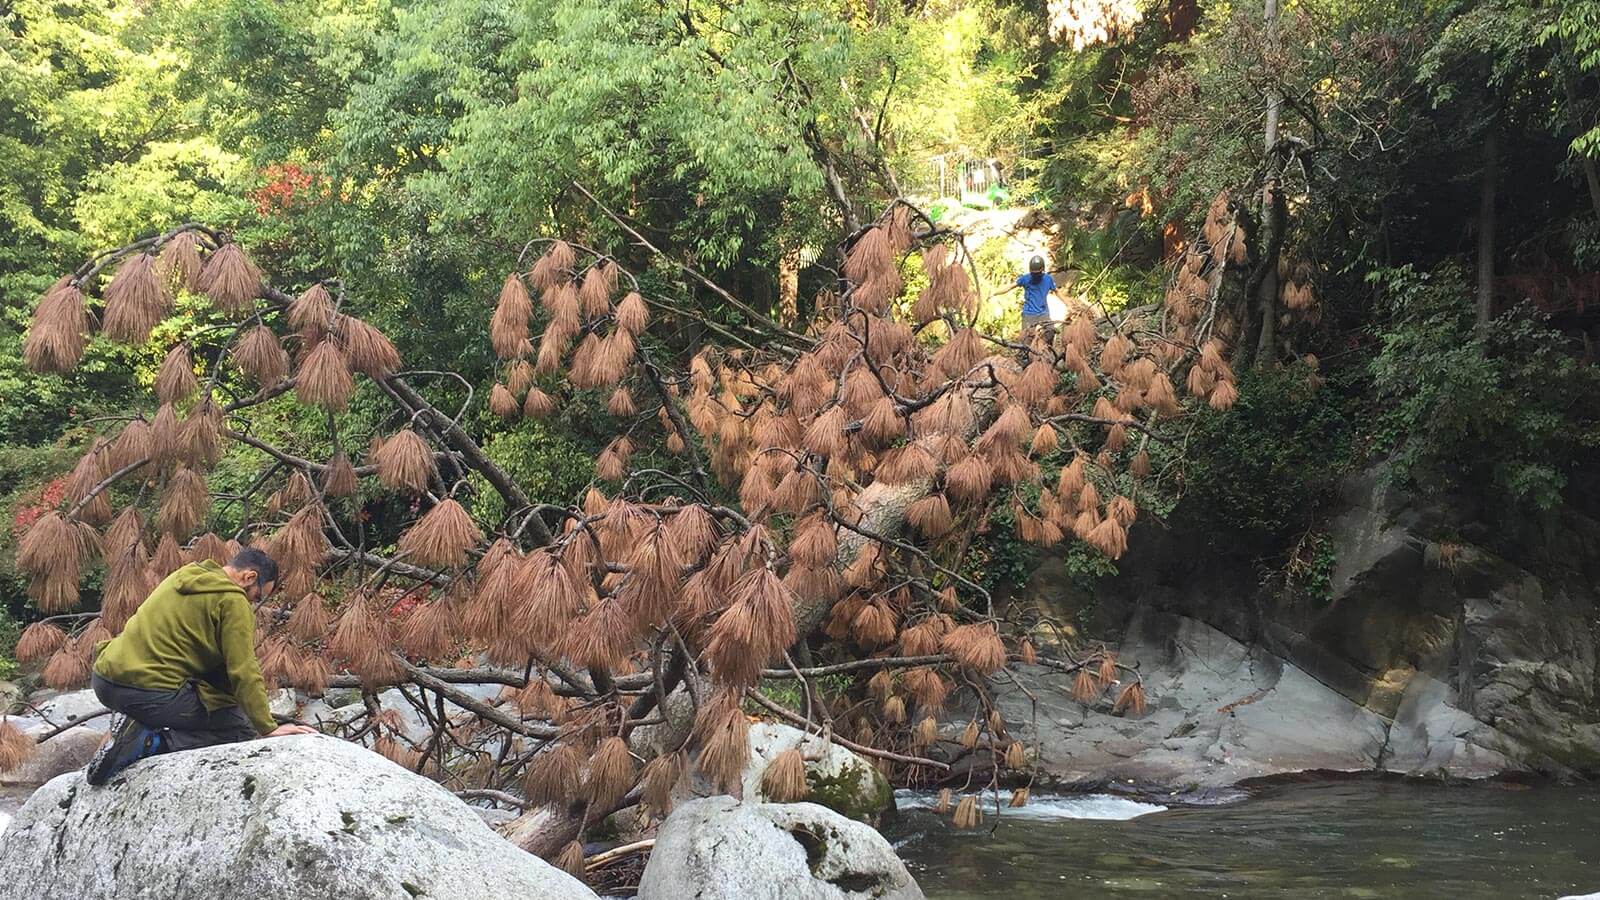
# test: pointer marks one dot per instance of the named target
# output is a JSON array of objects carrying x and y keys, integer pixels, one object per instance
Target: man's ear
[{"x": 248, "y": 577}]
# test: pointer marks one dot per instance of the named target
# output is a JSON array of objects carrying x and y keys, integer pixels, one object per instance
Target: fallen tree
[{"x": 824, "y": 489}]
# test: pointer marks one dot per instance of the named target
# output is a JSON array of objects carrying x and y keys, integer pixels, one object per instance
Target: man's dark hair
[{"x": 265, "y": 567}]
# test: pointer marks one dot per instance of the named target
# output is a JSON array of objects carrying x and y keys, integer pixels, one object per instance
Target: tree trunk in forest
[
  {"x": 1182, "y": 17},
  {"x": 1272, "y": 225},
  {"x": 830, "y": 177},
  {"x": 1486, "y": 227},
  {"x": 1592, "y": 177},
  {"x": 1272, "y": 216},
  {"x": 789, "y": 287}
]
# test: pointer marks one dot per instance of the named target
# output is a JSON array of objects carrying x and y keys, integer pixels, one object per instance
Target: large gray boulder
[
  {"x": 720, "y": 849},
  {"x": 299, "y": 817},
  {"x": 837, "y": 778},
  {"x": 67, "y": 707}
]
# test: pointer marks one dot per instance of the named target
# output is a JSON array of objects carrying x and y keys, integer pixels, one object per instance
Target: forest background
[{"x": 1437, "y": 201}]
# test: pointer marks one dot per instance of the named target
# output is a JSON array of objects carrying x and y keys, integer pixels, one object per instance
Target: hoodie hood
[{"x": 204, "y": 577}]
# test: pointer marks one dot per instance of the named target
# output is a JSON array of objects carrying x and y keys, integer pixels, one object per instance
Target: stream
[{"x": 1358, "y": 839}]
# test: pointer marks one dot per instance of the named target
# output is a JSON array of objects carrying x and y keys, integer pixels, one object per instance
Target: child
[{"x": 1037, "y": 285}]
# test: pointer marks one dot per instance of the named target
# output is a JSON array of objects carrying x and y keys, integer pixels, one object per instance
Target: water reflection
[{"x": 1363, "y": 839}]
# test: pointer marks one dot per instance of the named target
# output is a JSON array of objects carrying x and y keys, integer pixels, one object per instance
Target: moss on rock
[{"x": 857, "y": 791}]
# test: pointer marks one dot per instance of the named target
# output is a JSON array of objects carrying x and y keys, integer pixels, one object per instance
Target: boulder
[
  {"x": 650, "y": 741},
  {"x": 10, "y": 802},
  {"x": 59, "y": 708},
  {"x": 66, "y": 752},
  {"x": 10, "y": 697},
  {"x": 283, "y": 703},
  {"x": 839, "y": 779},
  {"x": 717, "y": 848},
  {"x": 296, "y": 817},
  {"x": 411, "y": 723}
]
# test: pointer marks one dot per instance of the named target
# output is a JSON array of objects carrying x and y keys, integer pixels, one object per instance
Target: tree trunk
[
  {"x": 1486, "y": 227},
  {"x": 883, "y": 506},
  {"x": 1272, "y": 225},
  {"x": 830, "y": 177},
  {"x": 1592, "y": 178},
  {"x": 1182, "y": 17},
  {"x": 545, "y": 830},
  {"x": 1273, "y": 213},
  {"x": 789, "y": 287}
]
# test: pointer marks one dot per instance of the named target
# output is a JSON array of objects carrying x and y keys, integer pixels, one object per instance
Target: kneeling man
[{"x": 183, "y": 673}]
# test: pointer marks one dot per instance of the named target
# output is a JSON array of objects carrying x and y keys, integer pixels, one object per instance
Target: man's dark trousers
[{"x": 180, "y": 713}]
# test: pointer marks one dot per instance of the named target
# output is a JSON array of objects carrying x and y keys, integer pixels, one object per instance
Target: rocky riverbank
[
  {"x": 315, "y": 816},
  {"x": 1466, "y": 657}
]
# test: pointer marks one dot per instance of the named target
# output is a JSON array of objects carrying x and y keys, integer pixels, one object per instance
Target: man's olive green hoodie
[{"x": 195, "y": 626}]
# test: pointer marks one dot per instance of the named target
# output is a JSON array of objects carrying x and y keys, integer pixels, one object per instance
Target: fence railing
[{"x": 973, "y": 179}]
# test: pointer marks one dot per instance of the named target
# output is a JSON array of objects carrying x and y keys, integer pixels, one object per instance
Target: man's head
[
  {"x": 1036, "y": 264},
  {"x": 255, "y": 571}
]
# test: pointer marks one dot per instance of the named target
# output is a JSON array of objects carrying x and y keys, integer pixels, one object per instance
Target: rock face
[
  {"x": 1427, "y": 656},
  {"x": 298, "y": 817},
  {"x": 720, "y": 849},
  {"x": 1221, "y": 713}
]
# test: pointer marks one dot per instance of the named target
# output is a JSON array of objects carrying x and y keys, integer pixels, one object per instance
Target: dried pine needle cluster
[{"x": 831, "y": 481}]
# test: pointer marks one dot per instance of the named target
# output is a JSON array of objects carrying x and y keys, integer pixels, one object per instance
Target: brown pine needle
[{"x": 784, "y": 780}]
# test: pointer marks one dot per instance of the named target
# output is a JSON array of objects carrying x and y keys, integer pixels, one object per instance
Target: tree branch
[
  {"x": 735, "y": 302},
  {"x": 477, "y": 707},
  {"x": 806, "y": 724}
]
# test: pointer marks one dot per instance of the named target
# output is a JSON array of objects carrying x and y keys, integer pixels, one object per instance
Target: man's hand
[{"x": 286, "y": 730}]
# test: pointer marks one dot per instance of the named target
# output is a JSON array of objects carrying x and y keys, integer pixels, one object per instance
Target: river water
[{"x": 1346, "y": 839}]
